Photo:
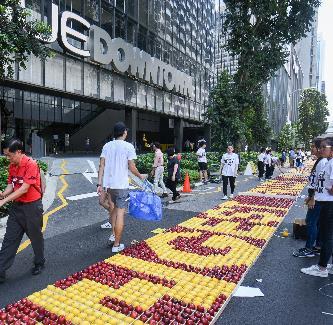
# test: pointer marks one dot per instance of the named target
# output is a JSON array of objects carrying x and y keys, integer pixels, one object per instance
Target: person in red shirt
[{"x": 26, "y": 213}]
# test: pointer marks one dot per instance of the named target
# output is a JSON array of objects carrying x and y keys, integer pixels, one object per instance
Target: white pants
[{"x": 158, "y": 179}]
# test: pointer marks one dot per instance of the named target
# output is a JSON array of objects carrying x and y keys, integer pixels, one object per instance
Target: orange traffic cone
[{"x": 187, "y": 185}]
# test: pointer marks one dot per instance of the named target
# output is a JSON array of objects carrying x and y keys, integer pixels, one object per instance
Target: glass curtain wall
[{"x": 178, "y": 32}]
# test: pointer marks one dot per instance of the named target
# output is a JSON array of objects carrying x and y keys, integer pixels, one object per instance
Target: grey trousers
[{"x": 23, "y": 218}]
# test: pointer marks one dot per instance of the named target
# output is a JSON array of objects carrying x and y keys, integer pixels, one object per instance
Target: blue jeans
[{"x": 312, "y": 225}]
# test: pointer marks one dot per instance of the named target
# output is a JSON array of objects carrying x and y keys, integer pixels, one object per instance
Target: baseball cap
[{"x": 119, "y": 129}]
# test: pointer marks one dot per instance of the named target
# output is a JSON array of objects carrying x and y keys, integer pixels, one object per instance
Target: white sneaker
[
  {"x": 225, "y": 198},
  {"x": 231, "y": 196},
  {"x": 315, "y": 271},
  {"x": 116, "y": 249},
  {"x": 106, "y": 225},
  {"x": 329, "y": 268},
  {"x": 112, "y": 238}
]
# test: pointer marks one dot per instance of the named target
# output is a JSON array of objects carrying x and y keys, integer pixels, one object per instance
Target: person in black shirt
[{"x": 173, "y": 173}]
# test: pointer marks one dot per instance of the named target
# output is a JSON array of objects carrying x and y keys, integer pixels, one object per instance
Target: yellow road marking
[{"x": 63, "y": 204}]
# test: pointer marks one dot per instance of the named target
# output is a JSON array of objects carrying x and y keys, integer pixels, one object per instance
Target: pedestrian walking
[
  {"x": 283, "y": 158},
  {"x": 158, "y": 169},
  {"x": 261, "y": 164},
  {"x": 324, "y": 194},
  {"x": 299, "y": 159},
  {"x": 116, "y": 159},
  {"x": 24, "y": 189},
  {"x": 292, "y": 158},
  {"x": 229, "y": 169},
  {"x": 312, "y": 245},
  {"x": 202, "y": 161},
  {"x": 173, "y": 173},
  {"x": 268, "y": 164}
]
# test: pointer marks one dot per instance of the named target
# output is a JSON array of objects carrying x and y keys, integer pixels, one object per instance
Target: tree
[
  {"x": 258, "y": 33},
  {"x": 227, "y": 126},
  {"x": 288, "y": 137},
  {"x": 19, "y": 37},
  {"x": 313, "y": 112}
]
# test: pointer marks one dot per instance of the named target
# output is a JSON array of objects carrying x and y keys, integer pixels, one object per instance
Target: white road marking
[
  {"x": 90, "y": 175},
  {"x": 87, "y": 195}
]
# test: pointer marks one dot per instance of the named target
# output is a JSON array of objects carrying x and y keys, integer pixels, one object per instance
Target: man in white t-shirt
[
  {"x": 324, "y": 195},
  {"x": 229, "y": 169},
  {"x": 202, "y": 161},
  {"x": 116, "y": 159}
]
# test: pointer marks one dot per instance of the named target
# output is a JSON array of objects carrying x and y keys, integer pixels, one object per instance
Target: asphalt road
[{"x": 74, "y": 240}]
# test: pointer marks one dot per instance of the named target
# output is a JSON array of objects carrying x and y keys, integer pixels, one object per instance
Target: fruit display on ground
[{"x": 185, "y": 275}]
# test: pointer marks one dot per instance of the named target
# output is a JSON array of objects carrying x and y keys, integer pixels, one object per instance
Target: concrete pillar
[
  {"x": 131, "y": 121},
  {"x": 179, "y": 134},
  {"x": 207, "y": 136}
]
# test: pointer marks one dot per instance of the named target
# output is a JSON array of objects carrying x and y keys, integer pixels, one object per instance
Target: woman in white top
[
  {"x": 261, "y": 164},
  {"x": 229, "y": 169},
  {"x": 324, "y": 195},
  {"x": 202, "y": 161}
]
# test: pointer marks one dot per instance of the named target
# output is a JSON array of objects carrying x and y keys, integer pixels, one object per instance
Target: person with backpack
[
  {"x": 25, "y": 190},
  {"x": 173, "y": 173}
]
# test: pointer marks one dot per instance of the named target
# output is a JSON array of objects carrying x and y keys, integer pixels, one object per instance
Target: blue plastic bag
[{"x": 145, "y": 206}]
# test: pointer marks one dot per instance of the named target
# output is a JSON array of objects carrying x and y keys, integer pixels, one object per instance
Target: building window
[
  {"x": 143, "y": 12},
  {"x": 132, "y": 8},
  {"x": 90, "y": 80},
  {"x": 132, "y": 31},
  {"x": 33, "y": 71},
  {"x": 107, "y": 21},
  {"x": 54, "y": 72},
  {"x": 74, "y": 76},
  {"x": 118, "y": 89},
  {"x": 120, "y": 27},
  {"x": 105, "y": 85},
  {"x": 92, "y": 10}
]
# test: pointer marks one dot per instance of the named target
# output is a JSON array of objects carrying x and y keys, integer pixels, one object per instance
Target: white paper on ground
[{"x": 248, "y": 292}]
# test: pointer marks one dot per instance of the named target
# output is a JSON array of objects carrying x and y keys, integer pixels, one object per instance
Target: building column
[
  {"x": 131, "y": 121},
  {"x": 207, "y": 136},
  {"x": 179, "y": 133}
]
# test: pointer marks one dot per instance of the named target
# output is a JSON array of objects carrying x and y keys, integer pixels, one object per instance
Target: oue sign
[{"x": 98, "y": 45}]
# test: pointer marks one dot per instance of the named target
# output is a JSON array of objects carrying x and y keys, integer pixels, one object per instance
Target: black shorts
[{"x": 202, "y": 166}]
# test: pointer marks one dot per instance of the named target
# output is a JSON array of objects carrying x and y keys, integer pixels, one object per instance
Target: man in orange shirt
[{"x": 26, "y": 212}]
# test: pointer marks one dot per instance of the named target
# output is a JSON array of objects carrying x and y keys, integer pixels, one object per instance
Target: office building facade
[{"x": 146, "y": 62}]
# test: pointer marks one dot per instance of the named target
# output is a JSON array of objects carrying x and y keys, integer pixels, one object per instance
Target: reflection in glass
[
  {"x": 105, "y": 85},
  {"x": 131, "y": 31},
  {"x": 107, "y": 21},
  {"x": 120, "y": 26},
  {"x": 118, "y": 89},
  {"x": 132, "y": 8},
  {"x": 131, "y": 92},
  {"x": 54, "y": 72},
  {"x": 150, "y": 98},
  {"x": 74, "y": 76},
  {"x": 92, "y": 9},
  {"x": 90, "y": 80},
  {"x": 143, "y": 12},
  {"x": 159, "y": 100},
  {"x": 33, "y": 71},
  {"x": 141, "y": 99}
]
